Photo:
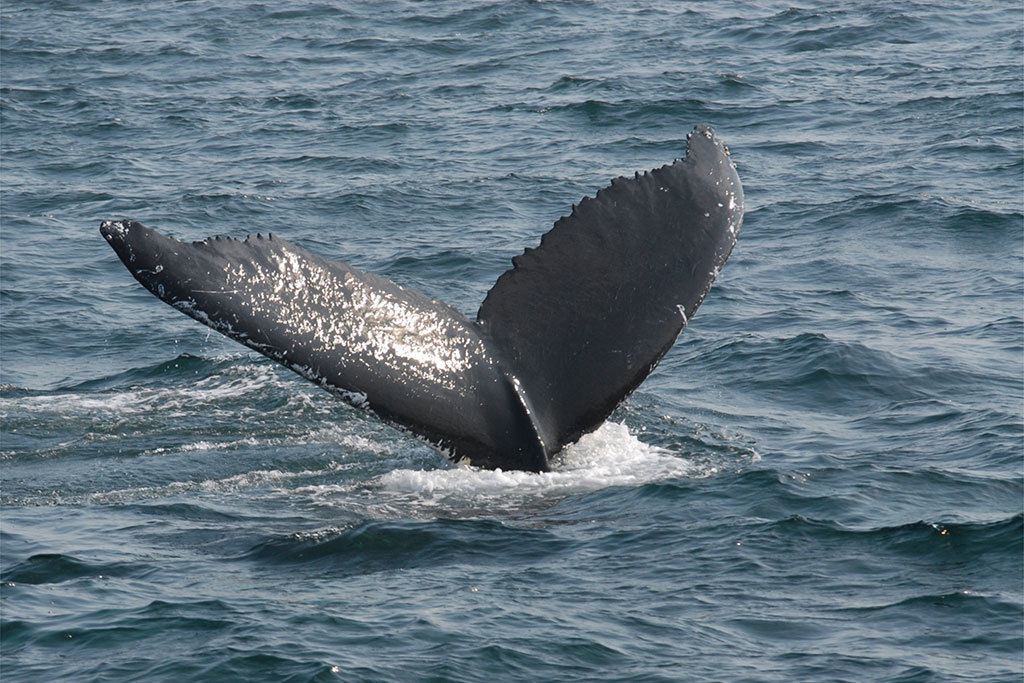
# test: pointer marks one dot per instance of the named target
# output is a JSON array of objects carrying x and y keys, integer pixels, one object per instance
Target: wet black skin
[{"x": 560, "y": 340}]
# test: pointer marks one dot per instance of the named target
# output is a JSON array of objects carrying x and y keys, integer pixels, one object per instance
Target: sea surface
[{"x": 821, "y": 481}]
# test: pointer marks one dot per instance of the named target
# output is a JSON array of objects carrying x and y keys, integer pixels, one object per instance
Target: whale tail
[{"x": 559, "y": 341}]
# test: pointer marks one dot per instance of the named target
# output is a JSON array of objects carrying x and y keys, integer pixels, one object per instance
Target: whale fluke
[{"x": 560, "y": 340}]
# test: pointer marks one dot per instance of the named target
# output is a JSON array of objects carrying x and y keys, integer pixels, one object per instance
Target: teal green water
[{"x": 821, "y": 481}]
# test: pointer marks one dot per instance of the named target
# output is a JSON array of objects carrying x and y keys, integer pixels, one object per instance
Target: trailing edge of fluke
[{"x": 560, "y": 340}]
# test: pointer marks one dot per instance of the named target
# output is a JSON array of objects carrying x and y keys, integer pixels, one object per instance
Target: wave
[
  {"x": 375, "y": 546},
  {"x": 797, "y": 30},
  {"x": 56, "y": 568},
  {"x": 812, "y": 366},
  {"x": 920, "y": 540},
  {"x": 171, "y": 389}
]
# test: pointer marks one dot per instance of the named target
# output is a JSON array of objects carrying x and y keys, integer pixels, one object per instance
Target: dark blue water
[{"x": 822, "y": 480}]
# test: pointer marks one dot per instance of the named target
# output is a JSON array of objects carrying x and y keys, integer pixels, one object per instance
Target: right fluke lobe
[{"x": 584, "y": 318}]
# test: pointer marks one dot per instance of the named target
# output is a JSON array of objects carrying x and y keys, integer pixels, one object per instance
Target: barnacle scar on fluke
[{"x": 560, "y": 340}]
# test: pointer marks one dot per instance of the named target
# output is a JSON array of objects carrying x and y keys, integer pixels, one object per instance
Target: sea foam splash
[{"x": 609, "y": 456}]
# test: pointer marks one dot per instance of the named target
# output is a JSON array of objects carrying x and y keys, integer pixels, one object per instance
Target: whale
[{"x": 560, "y": 340}]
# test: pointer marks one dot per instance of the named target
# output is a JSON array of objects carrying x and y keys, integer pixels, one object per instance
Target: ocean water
[{"x": 821, "y": 481}]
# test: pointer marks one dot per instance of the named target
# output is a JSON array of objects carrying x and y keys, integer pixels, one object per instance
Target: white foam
[
  {"x": 331, "y": 435},
  {"x": 610, "y": 456},
  {"x": 177, "y": 400},
  {"x": 256, "y": 479}
]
